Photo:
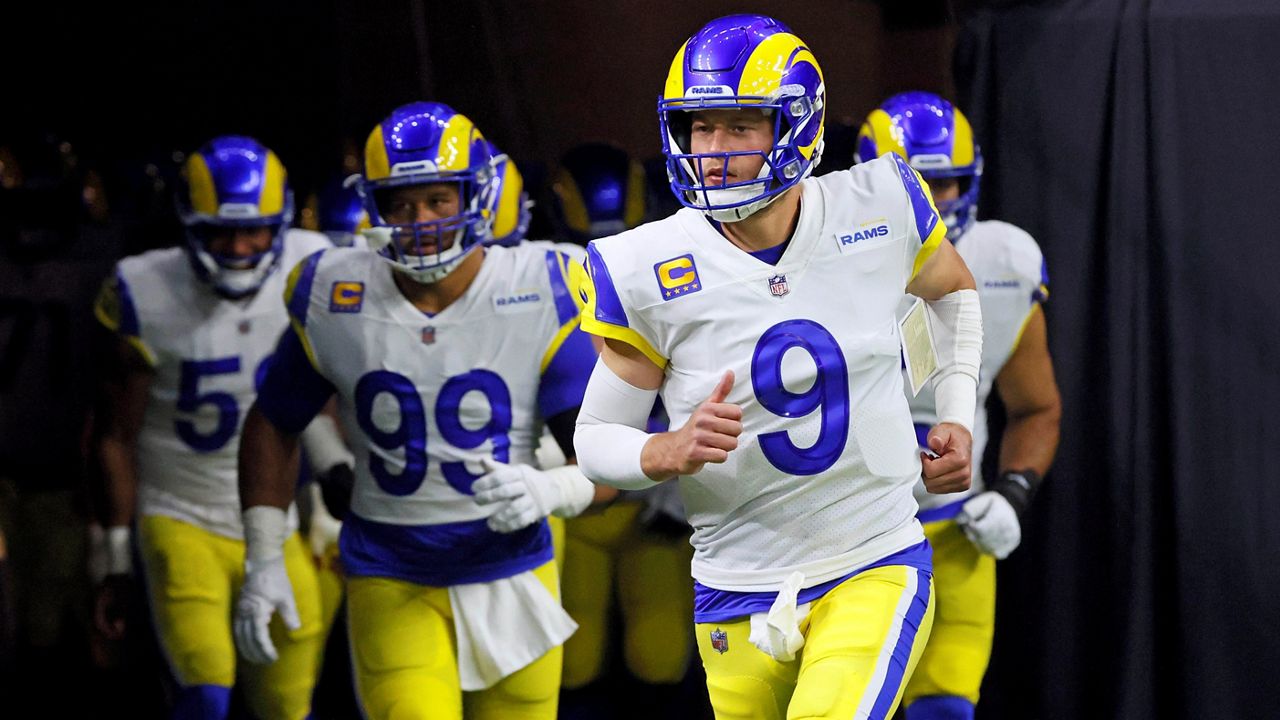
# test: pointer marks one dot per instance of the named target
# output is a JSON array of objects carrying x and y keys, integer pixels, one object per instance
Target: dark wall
[
  {"x": 304, "y": 76},
  {"x": 1137, "y": 141}
]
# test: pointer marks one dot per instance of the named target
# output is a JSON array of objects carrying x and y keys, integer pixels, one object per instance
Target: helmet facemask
[
  {"x": 784, "y": 164},
  {"x": 429, "y": 250}
]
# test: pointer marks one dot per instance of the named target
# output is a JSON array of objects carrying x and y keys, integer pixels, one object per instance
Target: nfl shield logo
[
  {"x": 719, "y": 641},
  {"x": 428, "y": 335},
  {"x": 778, "y": 285},
  {"x": 244, "y": 327}
]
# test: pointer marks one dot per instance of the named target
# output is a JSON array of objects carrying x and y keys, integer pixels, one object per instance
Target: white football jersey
[
  {"x": 1010, "y": 273},
  {"x": 207, "y": 354},
  {"x": 424, "y": 398},
  {"x": 821, "y": 479}
]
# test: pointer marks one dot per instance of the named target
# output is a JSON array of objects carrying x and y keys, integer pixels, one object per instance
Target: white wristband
[
  {"x": 265, "y": 530},
  {"x": 323, "y": 445},
  {"x": 576, "y": 491},
  {"x": 608, "y": 440},
  {"x": 119, "y": 550},
  {"x": 956, "y": 400}
]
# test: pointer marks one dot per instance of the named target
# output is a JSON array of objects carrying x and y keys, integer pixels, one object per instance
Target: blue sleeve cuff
[{"x": 292, "y": 392}]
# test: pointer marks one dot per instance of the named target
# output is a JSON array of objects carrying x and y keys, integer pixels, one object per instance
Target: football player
[
  {"x": 972, "y": 529},
  {"x": 447, "y": 358},
  {"x": 764, "y": 314},
  {"x": 195, "y": 325}
]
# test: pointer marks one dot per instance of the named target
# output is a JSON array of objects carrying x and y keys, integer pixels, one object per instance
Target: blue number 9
[
  {"x": 449, "y": 422},
  {"x": 410, "y": 433},
  {"x": 830, "y": 392}
]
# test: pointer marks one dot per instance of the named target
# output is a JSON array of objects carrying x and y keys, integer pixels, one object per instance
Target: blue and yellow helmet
[
  {"x": 426, "y": 143},
  {"x": 935, "y": 138},
  {"x": 743, "y": 61},
  {"x": 507, "y": 206},
  {"x": 234, "y": 182},
  {"x": 599, "y": 190},
  {"x": 340, "y": 212}
]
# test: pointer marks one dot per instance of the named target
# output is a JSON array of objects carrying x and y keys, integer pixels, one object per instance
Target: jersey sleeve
[
  {"x": 604, "y": 313},
  {"x": 1035, "y": 271},
  {"x": 115, "y": 309},
  {"x": 570, "y": 356},
  {"x": 297, "y": 301},
  {"x": 928, "y": 230},
  {"x": 292, "y": 391}
]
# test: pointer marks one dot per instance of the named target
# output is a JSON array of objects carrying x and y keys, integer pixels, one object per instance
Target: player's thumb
[
  {"x": 722, "y": 388},
  {"x": 489, "y": 464},
  {"x": 289, "y": 613},
  {"x": 936, "y": 442}
]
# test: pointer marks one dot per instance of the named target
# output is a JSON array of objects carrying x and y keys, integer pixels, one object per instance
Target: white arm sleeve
[
  {"x": 957, "y": 326},
  {"x": 610, "y": 433}
]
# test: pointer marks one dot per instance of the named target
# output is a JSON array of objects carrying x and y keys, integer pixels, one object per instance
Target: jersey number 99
[{"x": 410, "y": 434}]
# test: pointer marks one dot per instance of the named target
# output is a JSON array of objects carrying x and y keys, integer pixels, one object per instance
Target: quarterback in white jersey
[
  {"x": 970, "y": 530},
  {"x": 764, "y": 314},
  {"x": 447, "y": 359},
  {"x": 195, "y": 326}
]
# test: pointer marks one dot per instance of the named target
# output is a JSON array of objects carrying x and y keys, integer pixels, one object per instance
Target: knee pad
[{"x": 940, "y": 707}]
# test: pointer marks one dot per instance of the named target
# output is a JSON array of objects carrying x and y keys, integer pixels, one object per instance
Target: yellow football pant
[
  {"x": 193, "y": 578},
  {"x": 862, "y": 640},
  {"x": 557, "y": 541},
  {"x": 959, "y": 648},
  {"x": 405, "y": 658},
  {"x": 610, "y": 550},
  {"x": 329, "y": 582}
]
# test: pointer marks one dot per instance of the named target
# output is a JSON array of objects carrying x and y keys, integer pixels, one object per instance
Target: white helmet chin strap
[
  {"x": 411, "y": 266},
  {"x": 235, "y": 281}
]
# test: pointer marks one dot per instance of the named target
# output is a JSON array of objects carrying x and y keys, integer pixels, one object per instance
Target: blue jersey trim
[
  {"x": 926, "y": 218},
  {"x": 771, "y": 255},
  {"x": 300, "y": 298},
  {"x": 711, "y": 605},
  {"x": 129, "y": 324},
  {"x": 897, "y": 669},
  {"x": 922, "y": 435},
  {"x": 945, "y": 512},
  {"x": 608, "y": 305},
  {"x": 564, "y": 381},
  {"x": 292, "y": 392},
  {"x": 566, "y": 308},
  {"x": 440, "y": 555}
]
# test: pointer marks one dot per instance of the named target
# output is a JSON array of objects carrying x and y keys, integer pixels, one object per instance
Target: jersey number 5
[
  {"x": 830, "y": 392},
  {"x": 410, "y": 433},
  {"x": 190, "y": 399}
]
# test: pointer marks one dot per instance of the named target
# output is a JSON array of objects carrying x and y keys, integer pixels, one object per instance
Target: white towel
[
  {"x": 777, "y": 632},
  {"x": 504, "y": 625}
]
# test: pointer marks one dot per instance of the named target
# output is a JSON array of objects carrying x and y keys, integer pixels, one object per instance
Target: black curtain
[{"x": 1139, "y": 142}]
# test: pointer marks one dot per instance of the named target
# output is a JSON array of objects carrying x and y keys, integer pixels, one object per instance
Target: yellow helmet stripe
[
  {"x": 376, "y": 164},
  {"x": 571, "y": 202},
  {"x": 509, "y": 202},
  {"x": 455, "y": 144},
  {"x": 633, "y": 211},
  {"x": 204, "y": 197},
  {"x": 674, "y": 89},
  {"x": 886, "y": 136},
  {"x": 962, "y": 141},
  {"x": 271, "y": 200}
]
